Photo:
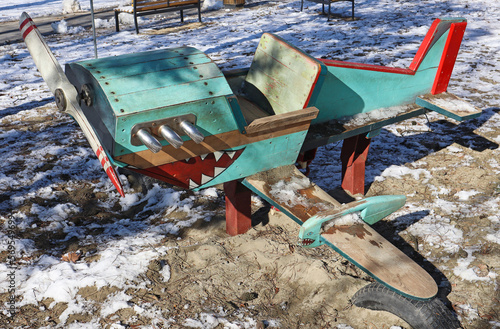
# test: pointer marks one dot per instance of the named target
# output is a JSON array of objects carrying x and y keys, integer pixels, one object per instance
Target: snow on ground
[
  {"x": 45, "y": 157},
  {"x": 10, "y": 10}
]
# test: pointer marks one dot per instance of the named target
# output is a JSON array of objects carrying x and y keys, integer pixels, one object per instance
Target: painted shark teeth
[
  {"x": 306, "y": 242},
  {"x": 205, "y": 179},
  {"x": 218, "y": 155},
  {"x": 192, "y": 184},
  {"x": 218, "y": 171}
]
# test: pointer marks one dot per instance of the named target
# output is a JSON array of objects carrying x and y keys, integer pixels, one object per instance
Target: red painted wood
[
  {"x": 192, "y": 172},
  {"x": 369, "y": 67},
  {"x": 353, "y": 156},
  {"x": 238, "y": 208},
  {"x": 449, "y": 57},
  {"x": 425, "y": 46},
  {"x": 304, "y": 160}
]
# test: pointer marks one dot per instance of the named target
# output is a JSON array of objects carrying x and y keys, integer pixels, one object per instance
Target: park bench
[
  {"x": 329, "y": 3},
  {"x": 150, "y": 7}
]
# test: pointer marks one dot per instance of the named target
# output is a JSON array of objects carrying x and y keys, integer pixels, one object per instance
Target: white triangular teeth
[
  {"x": 192, "y": 184},
  {"x": 187, "y": 160},
  {"x": 231, "y": 153},
  {"x": 205, "y": 179},
  {"x": 218, "y": 155},
  {"x": 218, "y": 171},
  {"x": 203, "y": 156}
]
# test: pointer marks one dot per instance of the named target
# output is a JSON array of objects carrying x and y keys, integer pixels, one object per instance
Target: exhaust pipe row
[{"x": 173, "y": 138}]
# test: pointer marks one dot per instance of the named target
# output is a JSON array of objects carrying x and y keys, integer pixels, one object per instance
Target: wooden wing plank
[
  {"x": 450, "y": 105},
  {"x": 359, "y": 243}
]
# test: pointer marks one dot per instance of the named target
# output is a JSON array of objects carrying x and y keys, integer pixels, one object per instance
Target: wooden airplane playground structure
[{"x": 172, "y": 114}]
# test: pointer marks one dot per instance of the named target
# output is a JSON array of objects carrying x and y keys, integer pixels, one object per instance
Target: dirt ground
[{"x": 263, "y": 274}]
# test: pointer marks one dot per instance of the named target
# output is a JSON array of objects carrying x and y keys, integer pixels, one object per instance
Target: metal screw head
[
  {"x": 60, "y": 99},
  {"x": 86, "y": 95}
]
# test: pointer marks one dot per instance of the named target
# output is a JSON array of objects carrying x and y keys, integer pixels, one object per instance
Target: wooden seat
[
  {"x": 282, "y": 78},
  {"x": 150, "y": 7}
]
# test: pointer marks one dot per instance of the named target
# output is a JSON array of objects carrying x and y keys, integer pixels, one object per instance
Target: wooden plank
[
  {"x": 168, "y": 77},
  {"x": 450, "y": 105},
  {"x": 353, "y": 156},
  {"x": 250, "y": 110},
  {"x": 283, "y": 74},
  {"x": 164, "y": 4},
  {"x": 449, "y": 57},
  {"x": 238, "y": 208},
  {"x": 146, "y": 159},
  {"x": 111, "y": 70},
  {"x": 163, "y": 96},
  {"x": 141, "y": 57},
  {"x": 273, "y": 122},
  {"x": 359, "y": 243},
  {"x": 337, "y": 130}
]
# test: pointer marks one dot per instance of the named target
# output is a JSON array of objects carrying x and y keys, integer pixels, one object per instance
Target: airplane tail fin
[{"x": 440, "y": 50}]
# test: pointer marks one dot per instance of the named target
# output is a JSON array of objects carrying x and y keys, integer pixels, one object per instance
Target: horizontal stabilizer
[
  {"x": 303, "y": 201},
  {"x": 450, "y": 105},
  {"x": 371, "y": 210}
]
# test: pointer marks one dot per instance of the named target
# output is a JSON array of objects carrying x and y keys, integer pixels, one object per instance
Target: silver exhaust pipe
[
  {"x": 149, "y": 141},
  {"x": 192, "y": 131},
  {"x": 171, "y": 136}
]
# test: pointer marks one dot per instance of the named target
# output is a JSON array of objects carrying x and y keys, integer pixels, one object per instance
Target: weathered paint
[
  {"x": 136, "y": 88},
  {"x": 353, "y": 88},
  {"x": 284, "y": 75},
  {"x": 447, "y": 63}
]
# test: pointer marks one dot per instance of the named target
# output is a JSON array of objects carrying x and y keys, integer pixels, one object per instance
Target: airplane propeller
[{"x": 65, "y": 93}]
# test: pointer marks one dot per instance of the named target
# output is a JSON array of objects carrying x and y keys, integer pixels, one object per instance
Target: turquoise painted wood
[
  {"x": 148, "y": 86},
  {"x": 348, "y": 91},
  {"x": 371, "y": 210},
  {"x": 279, "y": 151}
]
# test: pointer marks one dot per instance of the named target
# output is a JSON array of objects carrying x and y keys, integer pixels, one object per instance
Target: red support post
[
  {"x": 353, "y": 156},
  {"x": 238, "y": 208}
]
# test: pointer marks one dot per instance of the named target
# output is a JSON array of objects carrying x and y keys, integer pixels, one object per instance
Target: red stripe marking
[
  {"x": 26, "y": 21},
  {"x": 448, "y": 58},
  {"x": 425, "y": 46},
  {"x": 28, "y": 30},
  {"x": 368, "y": 67}
]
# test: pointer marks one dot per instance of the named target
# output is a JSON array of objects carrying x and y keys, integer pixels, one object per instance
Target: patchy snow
[
  {"x": 465, "y": 195},
  {"x": 285, "y": 192},
  {"x": 465, "y": 271},
  {"x": 62, "y": 28},
  {"x": 53, "y": 161}
]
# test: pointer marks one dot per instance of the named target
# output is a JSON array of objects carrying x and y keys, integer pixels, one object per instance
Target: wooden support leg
[
  {"x": 238, "y": 208},
  {"x": 353, "y": 156}
]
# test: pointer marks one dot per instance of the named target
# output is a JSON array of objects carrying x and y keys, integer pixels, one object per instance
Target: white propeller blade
[{"x": 65, "y": 93}]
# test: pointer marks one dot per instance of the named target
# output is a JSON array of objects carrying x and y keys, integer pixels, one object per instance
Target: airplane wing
[
  {"x": 324, "y": 220},
  {"x": 65, "y": 93},
  {"x": 449, "y": 105}
]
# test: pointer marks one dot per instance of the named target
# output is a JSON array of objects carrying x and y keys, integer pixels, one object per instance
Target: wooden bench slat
[{"x": 148, "y": 7}]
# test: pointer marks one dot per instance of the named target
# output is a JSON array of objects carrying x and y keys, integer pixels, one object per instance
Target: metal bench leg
[
  {"x": 238, "y": 208},
  {"x": 117, "y": 22},
  {"x": 353, "y": 10},
  {"x": 353, "y": 156},
  {"x": 329, "y": 10},
  {"x": 136, "y": 24},
  {"x": 182, "y": 16},
  {"x": 199, "y": 12}
]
